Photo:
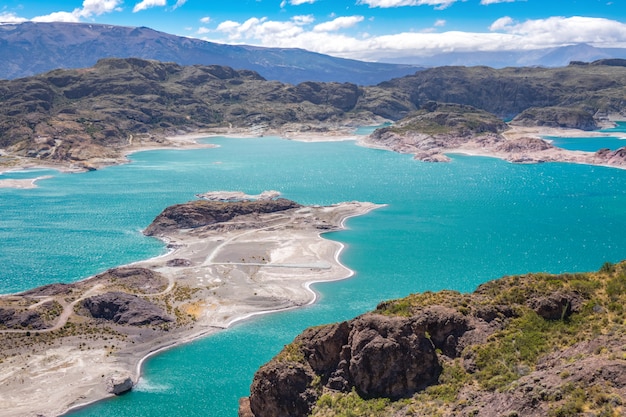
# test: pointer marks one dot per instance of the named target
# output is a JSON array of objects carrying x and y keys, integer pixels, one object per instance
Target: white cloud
[
  {"x": 439, "y": 4},
  {"x": 90, "y": 8},
  {"x": 299, "y": 2},
  {"x": 147, "y": 4},
  {"x": 501, "y": 24},
  {"x": 338, "y": 23},
  {"x": 205, "y": 19},
  {"x": 8, "y": 17},
  {"x": 303, "y": 19},
  {"x": 440, "y": 23},
  {"x": 505, "y": 34},
  {"x": 69, "y": 17},
  {"x": 265, "y": 32},
  {"x": 557, "y": 30},
  {"x": 203, "y": 30},
  {"x": 284, "y": 3},
  {"x": 488, "y": 2},
  {"x": 98, "y": 7},
  {"x": 178, "y": 4},
  {"x": 228, "y": 26}
]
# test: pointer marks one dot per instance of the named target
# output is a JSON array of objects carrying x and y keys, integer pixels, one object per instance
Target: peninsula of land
[{"x": 66, "y": 345}]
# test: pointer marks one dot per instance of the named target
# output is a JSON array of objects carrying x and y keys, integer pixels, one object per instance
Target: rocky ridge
[
  {"x": 531, "y": 345},
  {"x": 438, "y": 127},
  {"x": 201, "y": 213},
  {"x": 90, "y": 117},
  {"x": 79, "y": 45}
]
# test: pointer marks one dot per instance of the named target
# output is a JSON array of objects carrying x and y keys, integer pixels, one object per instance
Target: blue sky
[{"x": 360, "y": 29}]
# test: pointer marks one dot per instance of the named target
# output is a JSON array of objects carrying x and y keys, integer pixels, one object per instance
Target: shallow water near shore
[
  {"x": 450, "y": 226},
  {"x": 591, "y": 144}
]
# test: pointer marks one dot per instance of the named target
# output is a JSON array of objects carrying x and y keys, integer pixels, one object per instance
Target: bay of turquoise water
[
  {"x": 590, "y": 144},
  {"x": 452, "y": 225}
]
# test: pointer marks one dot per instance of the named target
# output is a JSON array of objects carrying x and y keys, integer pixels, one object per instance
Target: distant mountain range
[
  {"x": 32, "y": 48},
  {"x": 549, "y": 57}
]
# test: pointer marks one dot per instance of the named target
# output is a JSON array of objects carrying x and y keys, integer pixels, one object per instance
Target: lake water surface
[{"x": 450, "y": 225}]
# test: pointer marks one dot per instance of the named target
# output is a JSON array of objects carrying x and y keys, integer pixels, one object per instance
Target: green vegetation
[
  {"x": 441, "y": 119},
  {"x": 351, "y": 405},
  {"x": 291, "y": 353},
  {"x": 514, "y": 351}
]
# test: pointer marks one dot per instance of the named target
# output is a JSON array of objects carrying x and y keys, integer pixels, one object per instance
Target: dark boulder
[
  {"x": 123, "y": 308},
  {"x": 389, "y": 359},
  {"x": 13, "y": 319},
  {"x": 283, "y": 391},
  {"x": 556, "y": 306}
]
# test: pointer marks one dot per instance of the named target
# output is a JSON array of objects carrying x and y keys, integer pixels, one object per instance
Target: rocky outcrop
[
  {"x": 609, "y": 157},
  {"x": 376, "y": 355},
  {"x": 507, "y": 92},
  {"x": 119, "y": 384},
  {"x": 123, "y": 308},
  {"x": 523, "y": 345},
  {"x": 389, "y": 357},
  {"x": 559, "y": 117},
  {"x": 556, "y": 306},
  {"x": 283, "y": 391},
  {"x": 135, "y": 279},
  {"x": 438, "y": 127},
  {"x": 201, "y": 213},
  {"x": 50, "y": 289},
  {"x": 13, "y": 319},
  {"x": 523, "y": 145}
]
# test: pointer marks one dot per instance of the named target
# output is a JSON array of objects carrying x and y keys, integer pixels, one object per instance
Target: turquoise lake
[
  {"x": 452, "y": 225},
  {"x": 592, "y": 144}
]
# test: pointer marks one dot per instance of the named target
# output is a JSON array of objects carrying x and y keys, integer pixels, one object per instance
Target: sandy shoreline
[
  {"x": 190, "y": 141},
  {"x": 182, "y": 141},
  {"x": 234, "y": 271},
  {"x": 22, "y": 184}
]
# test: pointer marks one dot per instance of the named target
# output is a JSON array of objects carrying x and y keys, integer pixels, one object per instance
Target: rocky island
[
  {"x": 439, "y": 129},
  {"x": 227, "y": 260},
  {"x": 530, "y": 345}
]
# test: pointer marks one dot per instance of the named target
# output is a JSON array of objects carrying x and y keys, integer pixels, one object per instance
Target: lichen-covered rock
[
  {"x": 389, "y": 358},
  {"x": 283, "y": 391}
]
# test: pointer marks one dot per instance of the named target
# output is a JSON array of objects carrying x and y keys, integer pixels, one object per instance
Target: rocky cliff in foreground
[{"x": 530, "y": 345}]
